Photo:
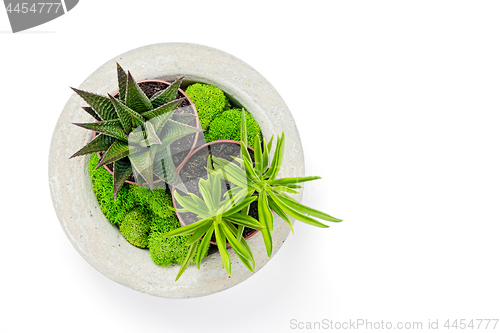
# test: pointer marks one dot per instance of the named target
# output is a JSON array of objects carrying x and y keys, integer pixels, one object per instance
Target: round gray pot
[{"x": 99, "y": 242}]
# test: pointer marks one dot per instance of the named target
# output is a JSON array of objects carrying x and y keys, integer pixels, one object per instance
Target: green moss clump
[
  {"x": 143, "y": 216},
  {"x": 135, "y": 227},
  {"x": 102, "y": 183},
  {"x": 227, "y": 127},
  {"x": 157, "y": 201},
  {"x": 210, "y": 102},
  {"x": 167, "y": 251}
]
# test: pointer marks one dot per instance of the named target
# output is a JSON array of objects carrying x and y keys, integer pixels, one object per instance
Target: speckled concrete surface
[{"x": 100, "y": 243}]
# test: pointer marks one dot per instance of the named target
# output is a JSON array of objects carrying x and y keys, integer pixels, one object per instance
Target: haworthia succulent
[{"x": 133, "y": 128}]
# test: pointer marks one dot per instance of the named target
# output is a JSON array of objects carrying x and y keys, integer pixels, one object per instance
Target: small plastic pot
[{"x": 181, "y": 166}]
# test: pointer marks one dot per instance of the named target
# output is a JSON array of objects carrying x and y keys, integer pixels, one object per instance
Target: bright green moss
[
  {"x": 167, "y": 251},
  {"x": 102, "y": 182},
  {"x": 143, "y": 216},
  {"x": 135, "y": 227},
  {"x": 227, "y": 127},
  {"x": 157, "y": 201},
  {"x": 210, "y": 102}
]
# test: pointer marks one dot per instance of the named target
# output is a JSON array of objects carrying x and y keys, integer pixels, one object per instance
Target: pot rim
[
  {"x": 115, "y": 94},
  {"x": 179, "y": 168}
]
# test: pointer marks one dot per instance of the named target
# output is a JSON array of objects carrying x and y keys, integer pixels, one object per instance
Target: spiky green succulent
[
  {"x": 135, "y": 132},
  {"x": 261, "y": 177},
  {"x": 219, "y": 214}
]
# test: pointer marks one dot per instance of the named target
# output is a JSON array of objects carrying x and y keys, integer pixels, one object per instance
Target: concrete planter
[{"x": 101, "y": 243}]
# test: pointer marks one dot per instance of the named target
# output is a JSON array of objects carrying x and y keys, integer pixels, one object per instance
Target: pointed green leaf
[
  {"x": 186, "y": 230},
  {"x": 189, "y": 257},
  {"x": 281, "y": 155},
  {"x": 165, "y": 169},
  {"x": 292, "y": 180},
  {"x": 91, "y": 111},
  {"x": 174, "y": 131},
  {"x": 122, "y": 82},
  {"x": 295, "y": 214},
  {"x": 152, "y": 137},
  {"x": 258, "y": 156},
  {"x": 284, "y": 189},
  {"x": 250, "y": 264},
  {"x": 268, "y": 241},
  {"x": 294, "y": 186},
  {"x": 274, "y": 169},
  {"x": 265, "y": 156},
  {"x": 220, "y": 239},
  {"x": 135, "y": 98},
  {"x": 243, "y": 128},
  {"x": 144, "y": 136},
  {"x": 167, "y": 95},
  {"x": 239, "y": 206},
  {"x": 122, "y": 169},
  {"x": 116, "y": 151},
  {"x": 183, "y": 118},
  {"x": 110, "y": 127},
  {"x": 142, "y": 160},
  {"x": 101, "y": 105},
  {"x": 138, "y": 138},
  {"x": 305, "y": 209},
  {"x": 250, "y": 171},
  {"x": 232, "y": 193},
  {"x": 204, "y": 188},
  {"x": 163, "y": 109},
  {"x": 235, "y": 196},
  {"x": 198, "y": 234},
  {"x": 230, "y": 172},
  {"x": 199, "y": 202},
  {"x": 99, "y": 144},
  {"x": 237, "y": 246},
  {"x": 245, "y": 220},
  {"x": 244, "y": 152},
  {"x": 280, "y": 213},
  {"x": 205, "y": 243},
  {"x": 216, "y": 189},
  {"x": 191, "y": 205},
  {"x": 266, "y": 217},
  {"x": 270, "y": 145}
]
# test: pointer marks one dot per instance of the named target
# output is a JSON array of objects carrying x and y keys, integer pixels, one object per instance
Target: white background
[{"x": 398, "y": 107}]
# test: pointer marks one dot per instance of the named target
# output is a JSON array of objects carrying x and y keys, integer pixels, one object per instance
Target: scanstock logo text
[{"x": 27, "y": 14}]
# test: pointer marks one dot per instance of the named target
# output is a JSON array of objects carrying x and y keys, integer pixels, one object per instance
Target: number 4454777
[
  {"x": 471, "y": 324},
  {"x": 41, "y": 7}
]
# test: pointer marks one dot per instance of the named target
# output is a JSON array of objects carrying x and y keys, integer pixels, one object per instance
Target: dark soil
[
  {"x": 194, "y": 169},
  {"x": 151, "y": 88},
  {"x": 182, "y": 147}
]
